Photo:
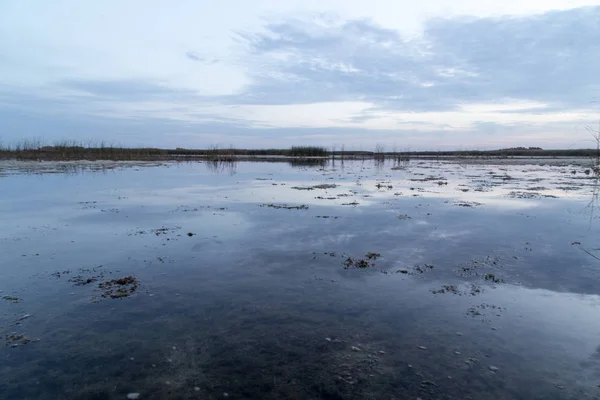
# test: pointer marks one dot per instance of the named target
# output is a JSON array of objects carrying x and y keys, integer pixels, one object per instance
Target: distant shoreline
[{"x": 93, "y": 153}]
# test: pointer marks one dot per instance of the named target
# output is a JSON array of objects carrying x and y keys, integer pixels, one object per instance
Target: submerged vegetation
[
  {"x": 321, "y": 186},
  {"x": 366, "y": 262},
  {"x": 119, "y": 288},
  {"x": 493, "y": 278},
  {"x": 11, "y": 299},
  {"x": 285, "y": 206},
  {"x": 17, "y": 339}
]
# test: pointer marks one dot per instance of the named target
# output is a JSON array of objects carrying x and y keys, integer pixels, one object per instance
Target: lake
[{"x": 289, "y": 280}]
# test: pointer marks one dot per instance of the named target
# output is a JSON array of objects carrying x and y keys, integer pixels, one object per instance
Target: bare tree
[
  {"x": 379, "y": 151},
  {"x": 595, "y": 132}
]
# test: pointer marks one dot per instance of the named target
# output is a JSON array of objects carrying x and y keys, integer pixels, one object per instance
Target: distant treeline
[
  {"x": 513, "y": 152},
  {"x": 72, "y": 150}
]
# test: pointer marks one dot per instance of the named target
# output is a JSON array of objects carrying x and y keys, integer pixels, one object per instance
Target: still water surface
[{"x": 482, "y": 282}]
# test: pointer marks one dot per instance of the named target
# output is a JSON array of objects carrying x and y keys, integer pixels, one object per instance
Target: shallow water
[{"x": 486, "y": 287}]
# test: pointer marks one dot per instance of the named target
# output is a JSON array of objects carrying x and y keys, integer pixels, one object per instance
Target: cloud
[
  {"x": 132, "y": 90},
  {"x": 205, "y": 130},
  {"x": 198, "y": 58},
  {"x": 193, "y": 56},
  {"x": 324, "y": 79},
  {"x": 302, "y": 62},
  {"x": 551, "y": 58}
]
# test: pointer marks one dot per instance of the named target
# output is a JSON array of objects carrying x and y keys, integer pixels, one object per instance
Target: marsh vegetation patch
[
  {"x": 529, "y": 195},
  {"x": 366, "y": 262},
  {"x": 285, "y": 206},
  {"x": 118, "y": 288},
  {"x": 315, "y": 187},
  {"x": 18, "y": 339},
  {"x": 12, "y": 299}
]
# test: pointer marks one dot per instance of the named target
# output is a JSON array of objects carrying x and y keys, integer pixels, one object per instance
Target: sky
[{"x": 406, "y": 75}]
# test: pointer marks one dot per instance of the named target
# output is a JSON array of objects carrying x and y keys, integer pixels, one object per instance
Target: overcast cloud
[{"x": 458, "y": 75}]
